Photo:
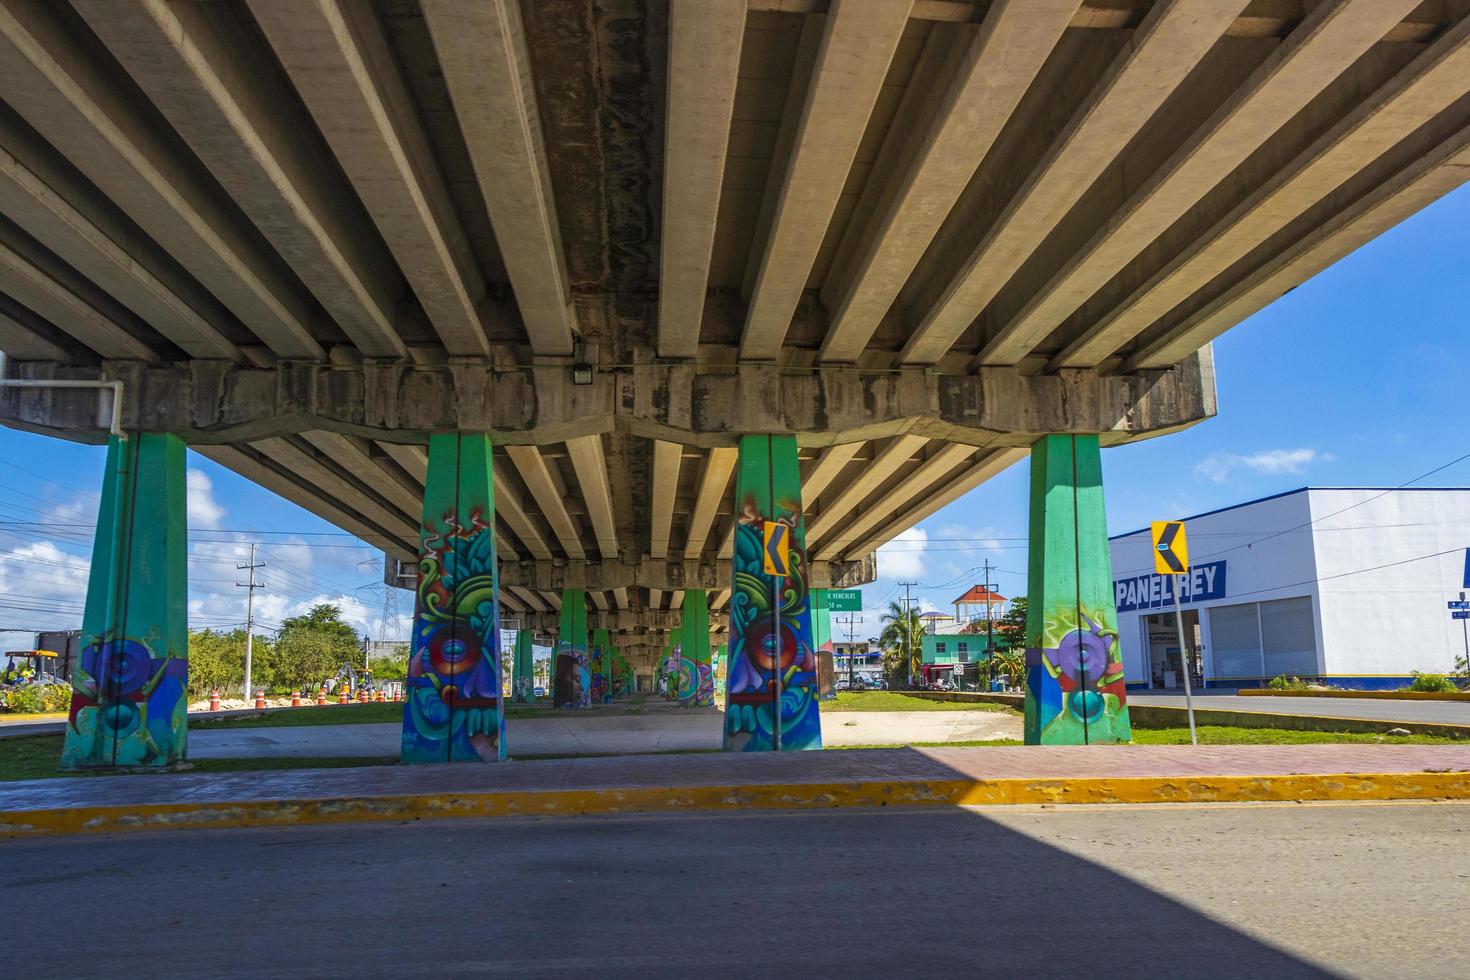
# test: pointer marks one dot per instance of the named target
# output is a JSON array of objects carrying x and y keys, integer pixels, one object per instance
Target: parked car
[{"x": 539, "y": 692}]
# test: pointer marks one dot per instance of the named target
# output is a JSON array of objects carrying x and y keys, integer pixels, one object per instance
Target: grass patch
[
  {"x": 898, "y": 701},
  {"x": 37, "y": 757},
  {"x": 1213, "y": 735},
  {"x": 373, "y": 714}
]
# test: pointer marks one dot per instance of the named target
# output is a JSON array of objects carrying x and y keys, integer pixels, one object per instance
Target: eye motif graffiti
[
  {"x": 1082, "y": 695},
  {"x": 696, "y": 683},
  {"x": 453, "y": 710},
  {"x": 128, "y": 703},
  {"x": 759, "y": 647},
  {"x": 572, "y": 686}
]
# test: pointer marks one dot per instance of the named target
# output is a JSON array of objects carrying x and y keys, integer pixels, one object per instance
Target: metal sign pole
[
  {"x": 1184, "y": 657},
  {"x": 776, "y": 659}
]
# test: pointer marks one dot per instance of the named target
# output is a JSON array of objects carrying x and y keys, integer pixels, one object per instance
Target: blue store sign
[{"x": 1152, "y": 591}]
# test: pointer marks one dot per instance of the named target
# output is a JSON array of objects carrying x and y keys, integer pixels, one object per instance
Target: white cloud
[
  {"x": 1219, "y": 466},
  {"x": 903, "y": 557},
  {"x": 205, "y": 512}
]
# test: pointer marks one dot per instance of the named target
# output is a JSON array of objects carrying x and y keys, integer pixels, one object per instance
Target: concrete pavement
[
  {"x": 1409, "y": 712},
  {"x": 1284, "y": 891}
]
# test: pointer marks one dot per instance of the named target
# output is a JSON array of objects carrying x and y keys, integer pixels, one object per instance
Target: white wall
[{"x": 1390, "y": 620}]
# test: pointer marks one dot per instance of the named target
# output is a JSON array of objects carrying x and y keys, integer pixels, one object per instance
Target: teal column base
[
  {"x": 1075, "y": 691},
  {"x": 770, "y": 628},
  {"x": 822, "y": 643},
  {"x": 129, "y": 689},
  {"x": 452, "y": 712},
  {"x": 571, "y": 684},
  {"x": 696, "y": 681},
  {"x": 522, "y": 682}
]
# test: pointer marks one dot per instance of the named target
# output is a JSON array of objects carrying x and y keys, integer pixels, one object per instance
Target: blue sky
[{"x": 1357, "y": 377}]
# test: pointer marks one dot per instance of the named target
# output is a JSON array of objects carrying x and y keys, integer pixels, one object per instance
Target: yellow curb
[{"x": 943, "y": 792}]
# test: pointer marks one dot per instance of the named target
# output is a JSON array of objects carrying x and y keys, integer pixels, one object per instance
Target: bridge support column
[
  {"x": 128, "y": 692},
  {"x": 770, "y": 632},
  {"x": 602, "y": 666},
  {"x": 522, "y": 683},
  {"x": 822, "y": 645},
  {"x": 1074, "y": 665},
  {"x": 572, "y": 683},
  {"x": 719, "y": 668},
  {"x": 453, "y": 710},
  {"x": 697, "y": 688}
]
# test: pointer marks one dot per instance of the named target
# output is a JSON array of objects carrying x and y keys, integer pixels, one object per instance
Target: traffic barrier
[
  {"x": 295, "y": 699},
  {"x": 321, "y": 697},
  {"x": 259, "y": 700},
  {"x": 381, "y": 697},
  {"x": 362, "y": 695},
  {"x": 398, "y": 694},
  {"x": 213, "y": 700},
  {"x": 342, "y": 696}
]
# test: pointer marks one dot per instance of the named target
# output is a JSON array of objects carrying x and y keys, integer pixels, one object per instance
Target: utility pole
[
  {"x": 850, "y": 652},
  {"x": 250, "y": 586},
  {"x": 908, "y": 630},
  {"x": 989, "y": 630}
]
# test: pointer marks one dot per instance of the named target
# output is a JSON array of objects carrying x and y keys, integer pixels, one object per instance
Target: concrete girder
[
  {"x": 512, "y": 509},
  {"x": 482, "y": 53},
  {"x": 413, "y": 459},
  {"x": 340, "y": 482},
  {"x": 859, "y": 39},
  {"x": 704, "y": 64},
  {"x": 676, "y": 600},
  {"x": 922, "y": 169},
  {"x": 25, "y": 338},
  {"x": 549, "y": 496},
  {"x": 667, "y": 576},
  {"x": 339, "y": 61},
  {"x": 1425, "y": 180},
  {"x": 1421, "y": 90},
  {"x": 599, "y": 600},
  {"x": 530, "y": 598},
  {"x": 828, "y": 467},
  {"x": 213, "y": 402},
  {"x": 714, "y": 484},
  {"x": 1171, "y": 41},
  {"x": 81, "y": 111},
  {"x": 591, "y": 467},
  {"x": 56, "y": 294},
  {"x": 619, "y": 621},
  {"x": 666, "y": 459},
  {"x": 69, "y": 218},
  {"x": 655, "y": 599},
  {"x": 930, "y": 472},
  {"x": 621, "y": 595},
  {"x": 899, "y": 451},
  {"x": 229, "y": 105}
]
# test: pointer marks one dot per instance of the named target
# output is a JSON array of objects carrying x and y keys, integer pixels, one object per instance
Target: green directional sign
[{"x": 844, "y": 600}]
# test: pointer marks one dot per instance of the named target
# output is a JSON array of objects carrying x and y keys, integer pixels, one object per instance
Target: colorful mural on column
[
  {"x": 571, "y": 686},
  {"x": 768, "y": 487},
  {"x": 1074, "y": 664},
  {"x": 453, "y": 712},
  {"x": 522, "y": 680},
  {"x": 128, "y": 690},
  {"x": 697, "y": 689},
  {"x": 822, "y": 644},
  {"x": 719, "y": 661},
  {"x": 601, "y": 666}
]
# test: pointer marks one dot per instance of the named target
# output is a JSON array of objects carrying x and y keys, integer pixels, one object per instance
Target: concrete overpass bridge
[{"x": 607, "y": 284}]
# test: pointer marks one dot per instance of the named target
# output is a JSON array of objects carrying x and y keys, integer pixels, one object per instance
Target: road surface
[
  {"x": 1274, "y": 891},
  {"x": 1434, "y": 712}
]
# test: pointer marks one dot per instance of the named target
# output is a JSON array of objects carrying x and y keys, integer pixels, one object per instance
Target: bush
[
  {"x": 35, "y": 698},
  {"x": 1282, "y": 682},
  {"x": 1432, "y": 683}
]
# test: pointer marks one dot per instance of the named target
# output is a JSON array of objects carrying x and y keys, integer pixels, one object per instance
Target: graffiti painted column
[
  {"x": 694, "y": 652},
  {"x": 768, "y": 487},
  {"x": 1074, "y": 665},
  {"x": 522, "y": 683},
  {"x": 453, "y": 711},
  {"x": 602, "y": 670},
  {"x": 128, "y": 692},
  {"x": 822, "y": 644},
  {"x": 571, "y": 685}
]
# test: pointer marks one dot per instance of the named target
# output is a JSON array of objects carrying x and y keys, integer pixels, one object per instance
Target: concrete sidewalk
[{"x": 663, "y": 783}]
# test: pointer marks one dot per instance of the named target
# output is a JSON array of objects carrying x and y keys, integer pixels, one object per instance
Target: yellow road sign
[
  {"x": 776, "y": 554},
  {"x": 1171, "y": 548}
]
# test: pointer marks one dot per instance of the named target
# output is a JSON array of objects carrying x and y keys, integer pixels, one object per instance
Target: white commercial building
[{"x": 1350, "y": 586}]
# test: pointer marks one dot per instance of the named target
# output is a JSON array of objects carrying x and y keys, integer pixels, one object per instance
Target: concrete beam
[
  {"x": 338, "y": 59},
  {"x": 714, "y": 486},
  {"x": 859, "y": 39},
  {"x": 829, "y": 466},
  {"x": 619, "y": 621},
  {"x": 482, "y": 52},
  {"x": 512, "y": 509},
  {"x": 1172, "y": 40},
  {"x": 549, "y": 497},
  {"x": 1428, "y": 85},
  {"x": 231, "y": 108},
  {"x": 921, "y": 480},
  {"x": 666, "y": 459},
  {"x": 212, "y": 402},
  {"x": 894, "y": 455},
  {"x": 704, "y": 64},
  {"x": 591, "y": 467},
  {"x": 552, "y": 577},
  {"x": 82, "y": 111},
  {"x": 341, "y": 484},
  {"x": 923, "y": 167},
  {"x": 25, "y": 337}
]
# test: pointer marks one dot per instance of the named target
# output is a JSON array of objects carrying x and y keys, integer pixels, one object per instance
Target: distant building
[
  {"x": 979, "y": 604},
  {"x": 67, "y": 645}
]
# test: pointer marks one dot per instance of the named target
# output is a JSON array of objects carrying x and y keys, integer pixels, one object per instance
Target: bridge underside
[{"x": 620, "y": 236}]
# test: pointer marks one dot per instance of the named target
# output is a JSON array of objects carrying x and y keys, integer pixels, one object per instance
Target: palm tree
[
  {"x": 1011, "y": 664},
  {"x": 902, "y": 632}
]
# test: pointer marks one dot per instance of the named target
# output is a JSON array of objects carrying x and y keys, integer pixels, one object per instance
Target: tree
[
  {"x": 1011, "y": 664},
  {"x": 216, "y": 661},
  {"x": 310, "y": 649},
  {"x": 1010, "y": 629},
  {"x": 901, "y": 638}
]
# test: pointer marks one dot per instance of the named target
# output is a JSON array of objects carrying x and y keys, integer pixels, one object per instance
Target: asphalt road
[
  {"x": 1273, "y": 891},
  {"x": 1437, "y": 712}
]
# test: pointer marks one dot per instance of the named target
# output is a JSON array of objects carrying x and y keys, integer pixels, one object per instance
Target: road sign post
[
  {"x": 1171, "y": 557},
  {"x": 776, "y": 557}
]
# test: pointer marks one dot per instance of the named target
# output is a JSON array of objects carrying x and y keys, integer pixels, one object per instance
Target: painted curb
[{"x": 1345, "y": 787}]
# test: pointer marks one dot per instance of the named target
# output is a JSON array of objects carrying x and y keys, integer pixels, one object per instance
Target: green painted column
[
  {"x": 697, "y": 687},
  {"x": 601, "y": 666},
  {"x": 521, "y": 681},
  {"x": 572, "y": 684},
  {"x": 822, "y": 644},
  {"x": 128, "y": 690},
  {"x": 453, "y": 709},
  {"x": 768, "y": 488},
  {"x": 1074, "y": 664}
]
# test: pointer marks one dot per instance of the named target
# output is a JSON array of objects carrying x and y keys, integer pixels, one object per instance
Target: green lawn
[
  {"x": 898, "y": 701},
  {"x": 375, "y": 714},
  {"x": 36, "y": 757},
  {"x": 1220, "y": 735}
]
